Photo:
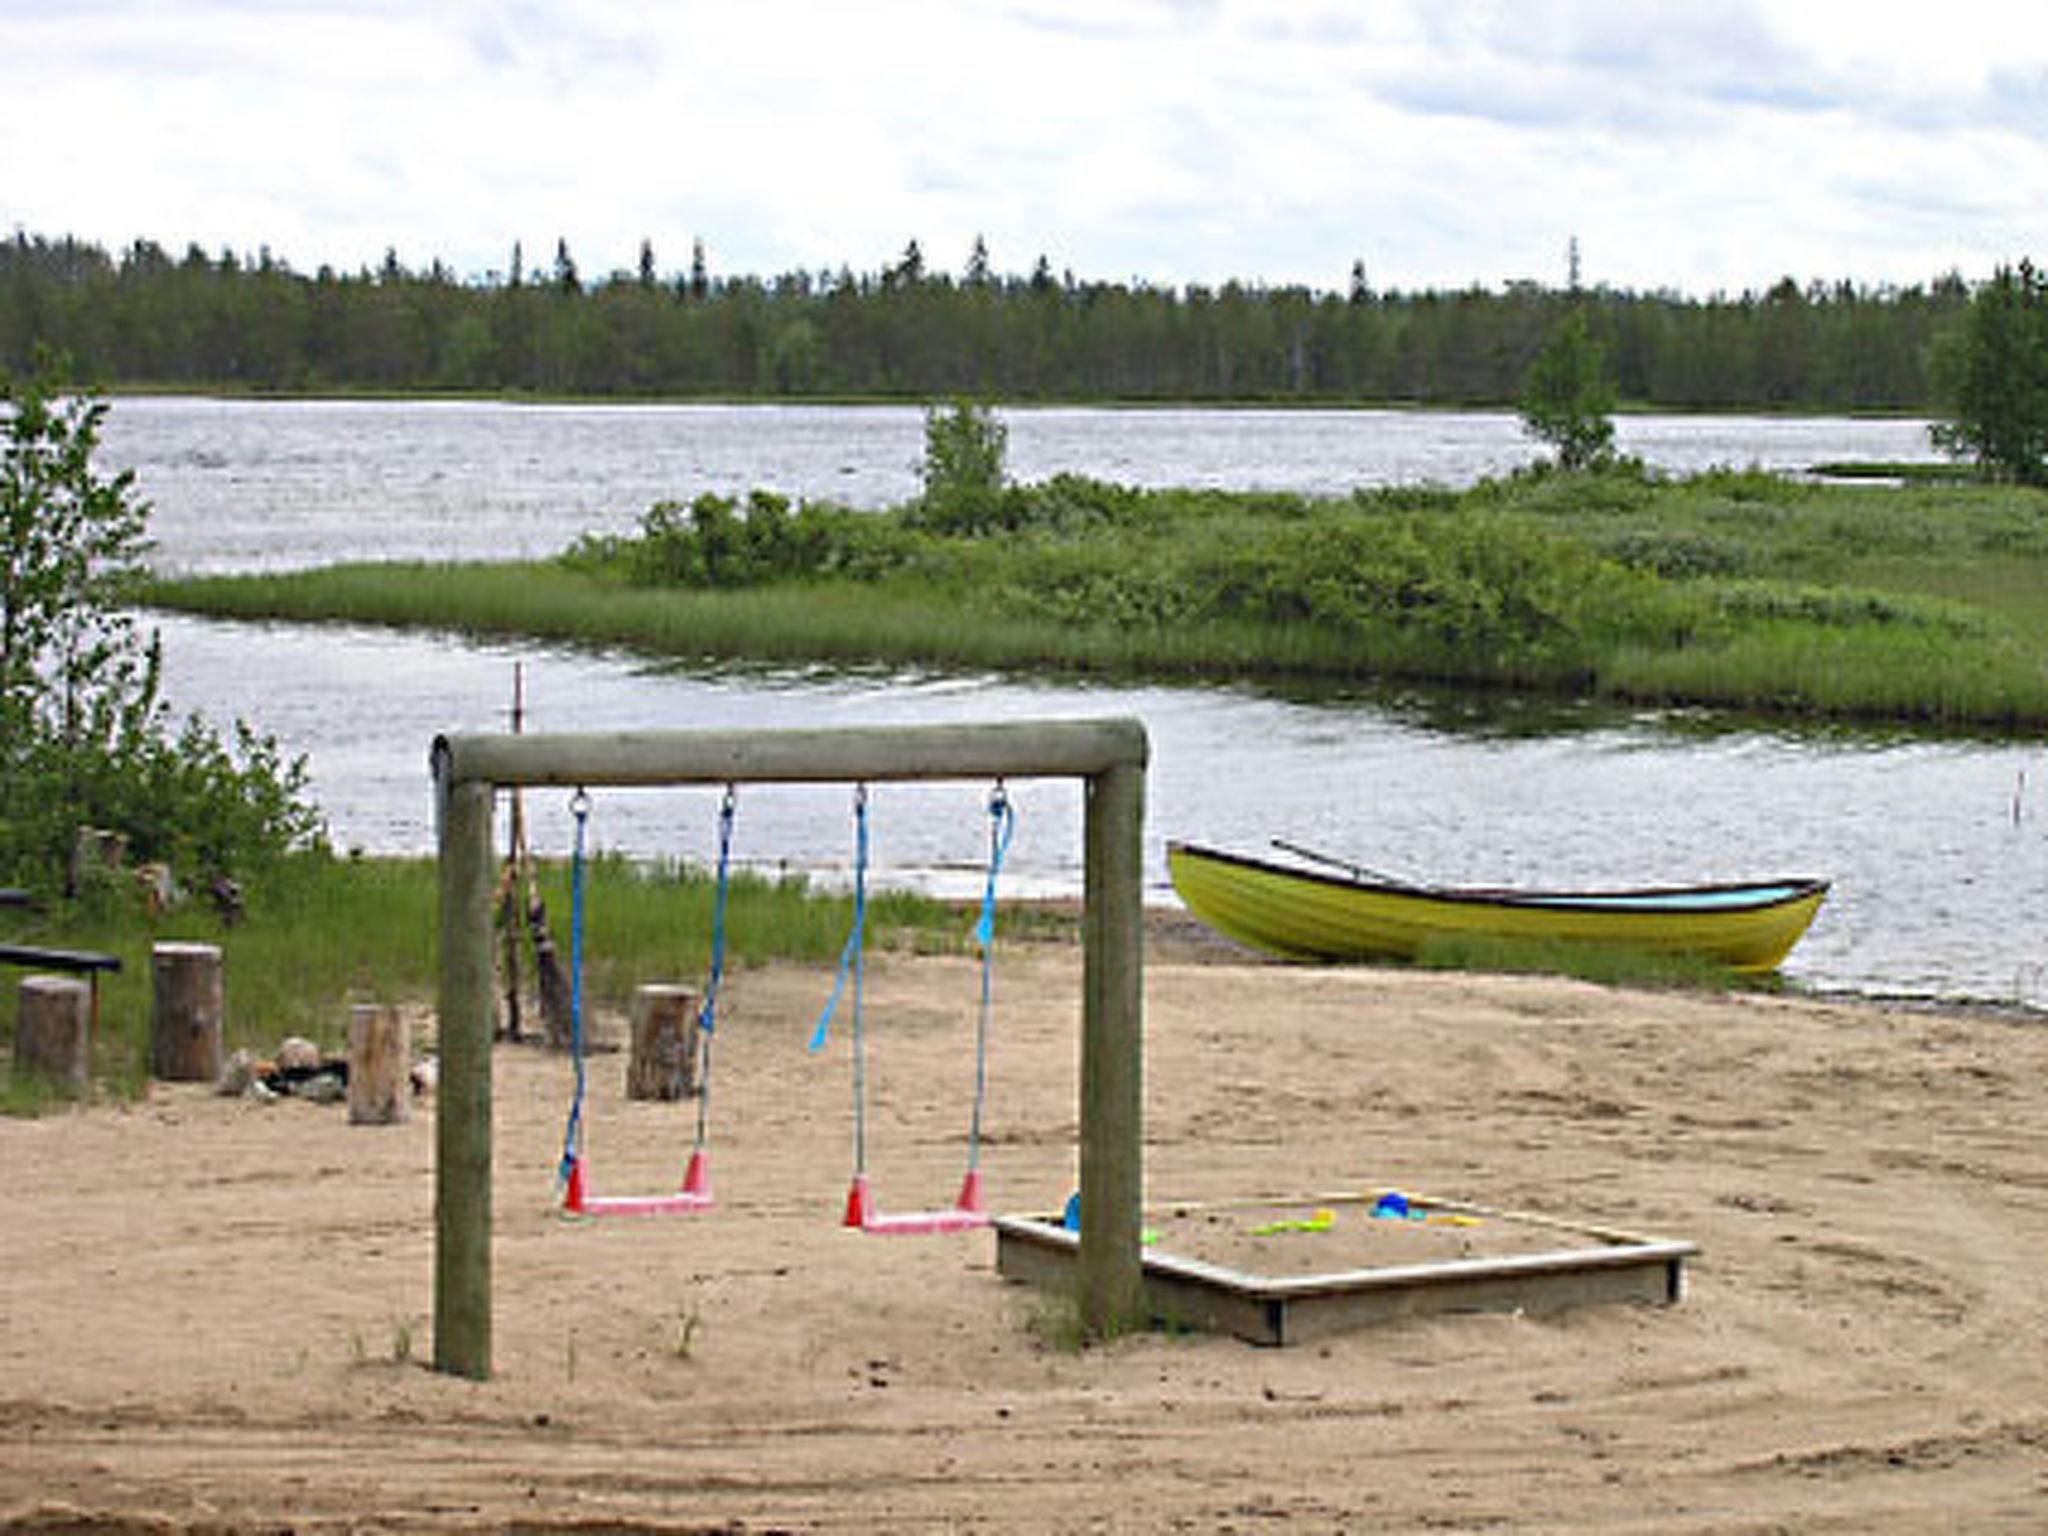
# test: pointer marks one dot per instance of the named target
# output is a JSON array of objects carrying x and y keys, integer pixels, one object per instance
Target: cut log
[
  {"x": 53, "y": 1032},
  {"x": 663, "y": 1061},
  {"x": 187, "y": 1013},
  {"x": 379, "y": 1065}
]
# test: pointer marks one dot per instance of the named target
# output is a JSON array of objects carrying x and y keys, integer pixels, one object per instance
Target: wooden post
[
  {"x": 379, "y": 1065},
  {"x": 1109, "y": 1264},
  {"x": 663, "y": 1063},
  {"x": 188, "y": 1012},
  {"x": 53, "y": 1032},
  {"x": 462, "y": 1116}
]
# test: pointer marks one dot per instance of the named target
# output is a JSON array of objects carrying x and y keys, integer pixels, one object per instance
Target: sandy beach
[{"x": 215, "y": 1313}]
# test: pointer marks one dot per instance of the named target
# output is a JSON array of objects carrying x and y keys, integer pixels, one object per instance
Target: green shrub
[
  {"x": 963, "y": 470},
  {"x": 85, "y": 736},
  {"x": 1567, "y": 399}
]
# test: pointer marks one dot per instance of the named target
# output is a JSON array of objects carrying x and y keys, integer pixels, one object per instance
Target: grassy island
[{"x": 1921, "y": 604}]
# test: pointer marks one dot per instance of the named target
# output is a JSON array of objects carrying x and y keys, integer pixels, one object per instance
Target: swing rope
[
  {"x": 707, "y": 1016},
  {"x": 853, "y": 962},
  {"x": 1002, "y": 820},
  {"x": 967, "y": 1211},
  {"x": 572, "y": 1135},
  {"x": 695, "y": 1194}
]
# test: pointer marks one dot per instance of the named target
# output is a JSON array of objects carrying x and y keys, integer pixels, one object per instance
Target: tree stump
[
  {"x": 96, "y": 854},
  {"x": 663, "y": 1063},
  {"x": 379, "y": 1065},
  {"x": 53, "y": 1032},
  {"x": 187, "y": 1013}
]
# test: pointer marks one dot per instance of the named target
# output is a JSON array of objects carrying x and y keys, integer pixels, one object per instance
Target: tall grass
[
  {"x": 326, "y": 933},
  {"x": 1861, "y": 673}
]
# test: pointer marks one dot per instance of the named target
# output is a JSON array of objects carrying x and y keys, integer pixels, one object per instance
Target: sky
[{"x": 1695, "y": 146}]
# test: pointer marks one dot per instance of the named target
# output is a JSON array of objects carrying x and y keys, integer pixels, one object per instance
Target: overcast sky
[{"x": 1701, "y": 147}]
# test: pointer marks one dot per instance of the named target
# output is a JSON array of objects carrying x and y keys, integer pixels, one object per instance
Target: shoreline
[{"x": 1174, "y": 936}]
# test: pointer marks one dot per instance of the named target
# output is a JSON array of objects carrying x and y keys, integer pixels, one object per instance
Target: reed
[{"x": 1857, "y": 674}]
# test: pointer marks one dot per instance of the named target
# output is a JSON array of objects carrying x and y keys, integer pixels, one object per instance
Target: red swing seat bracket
[
  {"x": 695, "y": 1195},
  {"x": 968, "y": 1213}
]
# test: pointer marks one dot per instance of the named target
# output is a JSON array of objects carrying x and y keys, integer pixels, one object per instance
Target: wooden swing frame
[{"x": 1109, "y": 756}]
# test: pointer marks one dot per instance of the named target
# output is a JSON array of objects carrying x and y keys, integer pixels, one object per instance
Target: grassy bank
[
  {"x": 327, "y": 933},
  {"x": 1917, "y": 603}
]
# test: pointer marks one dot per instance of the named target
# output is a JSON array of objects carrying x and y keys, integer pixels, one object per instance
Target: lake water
[
  {"x": 1938, "y": 849},
  {"x": 242, "y": 485}
]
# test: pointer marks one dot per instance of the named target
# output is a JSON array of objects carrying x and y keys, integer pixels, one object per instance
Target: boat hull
[{"x": 1301, "y": 914}]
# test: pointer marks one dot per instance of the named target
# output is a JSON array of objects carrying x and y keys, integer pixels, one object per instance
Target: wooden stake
[
  {"x": 515, "y": 857},
  {"x": 379, "y": 1065}
]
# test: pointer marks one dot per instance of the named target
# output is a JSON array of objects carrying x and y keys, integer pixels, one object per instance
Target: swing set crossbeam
[
  {"x": 1109, "y": 755},
  {"x": 1019, "y": 749}
]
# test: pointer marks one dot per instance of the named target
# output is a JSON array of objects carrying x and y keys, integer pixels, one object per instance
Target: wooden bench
[{"x": 37, "y": 957}]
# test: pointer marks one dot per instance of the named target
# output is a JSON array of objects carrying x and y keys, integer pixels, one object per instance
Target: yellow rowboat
[{"x": 1305, "y": 914}]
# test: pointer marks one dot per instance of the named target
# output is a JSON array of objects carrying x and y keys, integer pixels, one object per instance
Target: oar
[{"x": 1355, "y": 871}]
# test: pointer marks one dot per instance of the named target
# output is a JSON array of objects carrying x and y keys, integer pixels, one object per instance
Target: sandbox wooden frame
[
  {"x": 1592, "y": 1265},
  {"x": 1108, "y": 755}
]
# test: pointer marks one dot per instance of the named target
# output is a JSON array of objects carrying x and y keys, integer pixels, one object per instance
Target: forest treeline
[{"x": 143, "y": 317}]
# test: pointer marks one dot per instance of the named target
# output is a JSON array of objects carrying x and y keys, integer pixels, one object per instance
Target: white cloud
[{"x": 1716, "y": 144}]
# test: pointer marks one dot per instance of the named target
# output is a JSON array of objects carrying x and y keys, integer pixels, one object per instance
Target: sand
[{"x": 214, "y": 1313}]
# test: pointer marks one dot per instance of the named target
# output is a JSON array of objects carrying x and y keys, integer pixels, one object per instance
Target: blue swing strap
[
  {"x": 695, "y": 1194},
  {"x": 707, "y": 1016},
  {"x": 572, "y": 1135},
  {"x": 1002, "y": 823},
  {"x": 853, "y": 960},
  {"x": 850, "y": 956},
  {"x": 968, "y": 1211}
]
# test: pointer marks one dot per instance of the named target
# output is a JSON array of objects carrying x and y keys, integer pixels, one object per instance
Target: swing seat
[
  {"x": 695, "y": 1195},
  {"x": 967, "y": 1213}
]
